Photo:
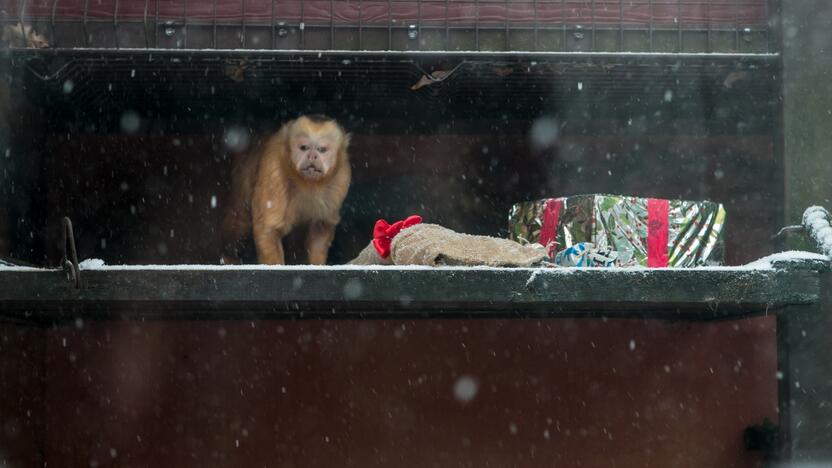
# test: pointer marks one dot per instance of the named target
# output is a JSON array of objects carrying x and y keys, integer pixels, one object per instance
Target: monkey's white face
[{"x": 314, "y": 156}]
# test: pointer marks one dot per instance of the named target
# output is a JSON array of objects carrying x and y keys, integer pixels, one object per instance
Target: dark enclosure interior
[{"x": 135, "y": 147}]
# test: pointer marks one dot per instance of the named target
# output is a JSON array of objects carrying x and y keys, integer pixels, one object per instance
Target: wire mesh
[
  {"x": 97, "y": 81},
  {"x": 476, "y": 25}
]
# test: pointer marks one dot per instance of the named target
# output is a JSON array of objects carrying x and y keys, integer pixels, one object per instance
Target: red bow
[{"x": 384, "y": 232}]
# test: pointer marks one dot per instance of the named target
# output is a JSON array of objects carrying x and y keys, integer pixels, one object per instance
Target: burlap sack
[
  {"x": 433, "y": 245},
  {"x": 369, "y": 256}
]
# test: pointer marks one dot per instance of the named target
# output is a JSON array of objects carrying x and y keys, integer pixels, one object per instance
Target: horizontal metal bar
[{"x": 86, "y": 52}]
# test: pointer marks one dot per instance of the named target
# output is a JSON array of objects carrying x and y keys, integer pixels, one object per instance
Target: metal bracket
[
  {"x": 69, "y": 262},
  {"x": 816, "y": 225},
  {"x": 786, "y": 229}
]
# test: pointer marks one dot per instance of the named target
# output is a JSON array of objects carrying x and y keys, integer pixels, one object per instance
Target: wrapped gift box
[{"x": 643, "y": 231}]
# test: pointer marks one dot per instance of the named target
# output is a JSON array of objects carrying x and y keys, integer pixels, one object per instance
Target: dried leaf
[
  {"x": 236, "y": 71},
  {"x": 429, "y": 79},
  {"x": 733, "y": 77}
]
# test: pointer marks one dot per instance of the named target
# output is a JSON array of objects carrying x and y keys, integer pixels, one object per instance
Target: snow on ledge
[
  {"x": 789, "y": 256},
  {"x": 15, "y": 268},
  {"x": 765, "y": 263}
]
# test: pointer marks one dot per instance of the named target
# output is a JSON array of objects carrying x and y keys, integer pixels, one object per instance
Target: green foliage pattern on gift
[{"x": 693, "y": 228}]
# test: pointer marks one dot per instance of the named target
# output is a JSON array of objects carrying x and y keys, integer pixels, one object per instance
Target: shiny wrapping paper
[
  {"x": 584, "y": 254},
  {"x": 644, "y": 231}
]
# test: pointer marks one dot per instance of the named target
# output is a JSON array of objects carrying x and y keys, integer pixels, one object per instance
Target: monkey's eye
[
  {"x": 304, "y": 147},
  {"x": 322, "y": 149}
]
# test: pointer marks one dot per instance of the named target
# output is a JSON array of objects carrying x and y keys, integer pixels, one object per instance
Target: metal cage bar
[
  {"x": 592, "y": 13},
  {"x": 156, "y": 26},
  {"x": 86, "y": 33},
  {"x": 536, "y": 33},
  {"x": 418, "y": 26},
  {"x": 214, "y": 24},
  {"x": 508, "y": 30},
  {"x": 332, "y": 24},
  {"x": 709, "y": 46},
  {"x": 476, "y": 24},
  {"x": 185, "y": 24},
  {"x": 115, "y": 23},
  {"x": 679, "y": 46},
  {"x": 736, "y": 26},
  {"x": 273, "y": 26},
  {"x": 773, "y": 28},
  {"x": 621, "y": 26},
  {"x": 302, "y": 25},
  {"x": 652, "y": 46},
  {"x": 360, "y": 24},
  {"x": 146, "y": 38},
  {"x": 243, "y": 25},
  {"x": 563, "y": 22},
  {"x": 52, "y": 22},
  {"x": 389, "y": 24},
  {"x": 448, "y": 27}
]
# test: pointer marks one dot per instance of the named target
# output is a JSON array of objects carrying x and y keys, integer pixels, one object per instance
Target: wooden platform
[{"x": 214, "y": 292}]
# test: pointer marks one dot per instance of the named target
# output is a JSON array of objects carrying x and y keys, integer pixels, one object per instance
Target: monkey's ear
[{"x": 347, "y": 139}]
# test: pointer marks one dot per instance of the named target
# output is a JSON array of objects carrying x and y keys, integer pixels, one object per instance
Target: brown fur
[{"x": 270, "y": 195}]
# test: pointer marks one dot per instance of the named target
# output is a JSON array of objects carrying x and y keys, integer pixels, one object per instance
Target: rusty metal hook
[
  {"x": 70, "y": 262},
  {"x": 785, "y": 229},
  {"x": 815, "y": 225}
]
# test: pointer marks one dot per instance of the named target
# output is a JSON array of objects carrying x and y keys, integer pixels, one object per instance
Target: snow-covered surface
[
  {"x": 765, "y": 263},
  {"x": 91, "y": 264},
  {"x": 17, "y": 268},
  {"x": 789, "y": 256},
  {"x": 816, "y": 220}
]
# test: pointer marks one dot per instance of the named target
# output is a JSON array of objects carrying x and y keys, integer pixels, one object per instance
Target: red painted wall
[
  {"x": 22, "y": 431},
  {"x": 555, "y": 392}
]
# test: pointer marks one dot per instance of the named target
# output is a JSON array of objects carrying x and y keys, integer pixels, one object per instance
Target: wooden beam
[{"x": 45, "y": 296}]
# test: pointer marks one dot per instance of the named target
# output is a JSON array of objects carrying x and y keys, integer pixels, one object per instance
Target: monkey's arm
[
  {"x": 269, "y": 226},
  {"x": 269, "y": 244},
  {"x": 318, "y": 241},
  {"x": 270, "y": 213}
]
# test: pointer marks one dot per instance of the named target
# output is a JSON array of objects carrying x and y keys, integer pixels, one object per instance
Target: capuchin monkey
[{"x": 298, "y": 177}]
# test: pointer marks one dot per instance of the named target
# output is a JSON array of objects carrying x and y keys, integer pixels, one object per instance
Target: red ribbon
[
  {"x": 384, "y": 232},
  {"x": 657, "y": 232},
  {"x": 549, "y": 229}
]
